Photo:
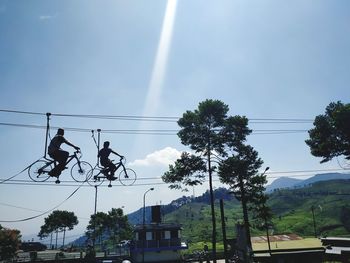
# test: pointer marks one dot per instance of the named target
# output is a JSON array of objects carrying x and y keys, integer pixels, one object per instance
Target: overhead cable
[
  {"x": 41, "y": 214},
  {"x": 153, "y": 118},
  {"x": 144, "y": 131}
]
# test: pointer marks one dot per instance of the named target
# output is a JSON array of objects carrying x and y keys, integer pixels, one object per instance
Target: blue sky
[{"x": 265, "y": 59}]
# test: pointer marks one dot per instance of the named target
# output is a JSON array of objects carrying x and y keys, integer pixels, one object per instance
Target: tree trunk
[
  {"x": 56, "y": 237},
  {"x": 212, "y": 205},
  {"x": 51, "y": 240},
  {"x": 64, "y": 235},
  {"x": 245, "y": 214}
]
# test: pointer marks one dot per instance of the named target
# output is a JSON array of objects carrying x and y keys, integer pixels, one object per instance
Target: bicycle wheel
[
  {"x": 81, "y": 171},
  {"x": 39, "y": 170},
  {"x": 127, "y": 176},
  {"x": 95, "y": 178}
]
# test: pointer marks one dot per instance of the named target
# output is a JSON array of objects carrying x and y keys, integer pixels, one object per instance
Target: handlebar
[
  {"x": 121, "y": 159},
  {"x": 76, "y": 152}
]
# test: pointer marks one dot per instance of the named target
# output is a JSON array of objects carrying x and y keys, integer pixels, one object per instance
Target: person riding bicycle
[
  {"x": 56, "y": 153},
  {"x": 103, "y": 154}
]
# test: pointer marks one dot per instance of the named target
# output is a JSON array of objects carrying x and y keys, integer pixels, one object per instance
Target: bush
[{"x": 9, "y": 242}]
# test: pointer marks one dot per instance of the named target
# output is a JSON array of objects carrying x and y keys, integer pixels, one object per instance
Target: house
[{"x": 157, "y": 241}]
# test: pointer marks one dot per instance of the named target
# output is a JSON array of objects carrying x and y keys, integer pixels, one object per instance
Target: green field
[
  {"x": 290, "y": 244},
  {"x": 324, "y": 205}
]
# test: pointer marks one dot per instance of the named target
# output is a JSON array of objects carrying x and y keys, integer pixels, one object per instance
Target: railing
[
  {"x": 51, "y": 256},
  {"x": 163, "y": 243}
]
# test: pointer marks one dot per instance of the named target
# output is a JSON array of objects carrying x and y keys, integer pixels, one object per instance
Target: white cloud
[
  {"x": 46, "y": 17},
  {"x": 162, "y": 157}
]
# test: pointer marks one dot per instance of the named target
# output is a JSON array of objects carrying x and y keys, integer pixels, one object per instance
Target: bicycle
[
  {"x": 39, "y": 170},
  {"x": 127, "y": 176}
]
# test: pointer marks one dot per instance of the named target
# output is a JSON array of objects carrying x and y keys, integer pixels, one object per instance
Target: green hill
[{"x": 292, "y": 210}]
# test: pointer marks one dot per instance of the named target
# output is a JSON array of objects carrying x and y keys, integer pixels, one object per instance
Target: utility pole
[
  {"x": 223, "y": 228},
  {"x": 313, "y": 218}
]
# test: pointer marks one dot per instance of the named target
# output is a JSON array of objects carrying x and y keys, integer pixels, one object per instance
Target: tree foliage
[
  {"x": 113, "y": 224},
  {"x": 58, "y": 221},
  {"x": 330, "y": 136},
  {"x": 189, "y": 170},
  {"x": 240, "y": 172},
  {"x": 9, "y": 242},
  {"x": 218, "y": 144}
]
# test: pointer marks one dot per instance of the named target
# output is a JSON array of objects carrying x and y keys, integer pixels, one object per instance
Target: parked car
[
  {"x": 124, "y": 243},
  {"x": 32, "y": 246}
]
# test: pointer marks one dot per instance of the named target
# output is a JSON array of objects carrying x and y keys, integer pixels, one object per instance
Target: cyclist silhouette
[
  {"x": 56, "y": 153},
  {"x": 103, "y": 154}
]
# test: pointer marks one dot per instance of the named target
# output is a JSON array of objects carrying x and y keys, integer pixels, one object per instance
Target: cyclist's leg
[
  {"x": 54, "y": 171},
  {"x": 105, "y": 171},
  {"x": 62, "y": 159},
  {"x": 112, "y": 167}
]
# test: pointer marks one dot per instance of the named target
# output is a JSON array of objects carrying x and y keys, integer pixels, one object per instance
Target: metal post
[
  {"x": 313, "y": 218},
  {"x": 48, "y": 114},
  {"x": 143, "y": 223},
  {"x": 94, "y": 236},
  {"x": 98, "y": 138},
  {"x": 267, "y": 235}
]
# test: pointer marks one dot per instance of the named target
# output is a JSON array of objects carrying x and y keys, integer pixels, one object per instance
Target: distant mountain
[
  {"x": 194, "y": 212},
  {"x": 287, "y": 182},
  {"x": 323, "y": 177},
  {"x": 220, "y": 193},
  {"x": 282, "y": 182}
]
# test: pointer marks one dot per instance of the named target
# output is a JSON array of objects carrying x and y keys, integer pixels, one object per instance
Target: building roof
[{"x": 158, "y": 226}]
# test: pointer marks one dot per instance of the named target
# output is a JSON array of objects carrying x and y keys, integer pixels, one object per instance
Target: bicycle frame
[
  {"x": 126, "y": 175},
  {"x": 54, "y": 162},
  {"x": 102, "y": 170}
]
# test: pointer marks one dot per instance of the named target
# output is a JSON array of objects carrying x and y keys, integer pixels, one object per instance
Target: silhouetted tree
[
  {"x": 119, "y": 225},
  {"x": 240, "y": 172},
  {"x": 330, "y": 136},
  {"x": 9, "y": 242},
  {"x": 207, "y": 131},
  {"x": 113, "y": 224},
  {"x": 58, "y": 221},
  {"x": 97, "y": 225}
]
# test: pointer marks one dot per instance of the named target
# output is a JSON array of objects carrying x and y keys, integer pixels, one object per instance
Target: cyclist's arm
[
  {"x": 121, "y": 156},
  {"x": 72, "y": 145}
]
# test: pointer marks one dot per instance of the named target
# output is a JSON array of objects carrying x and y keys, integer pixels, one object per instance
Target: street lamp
[
  {"x": 144, "y": 205},
  {"x": 267, "y": 168},
  {"x": 143, "y": 223}
]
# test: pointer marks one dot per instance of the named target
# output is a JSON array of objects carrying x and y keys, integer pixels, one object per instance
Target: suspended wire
[
  {"x": 20, "y": 207},
  {"x": 46, "y": 212},
  {"x": 153, "y": 118},
  {"x": 11, "y": 177},
  {"x": 142, "y": 131},
  {"x": 304, "y": 171},
  {"x": 70, "y": 183},
  {"x": 29, "y": 209},
  {"x": 281, "y": 120},
  {"x": 22, "y": 112},
  {"x": 344, "y": 167}
]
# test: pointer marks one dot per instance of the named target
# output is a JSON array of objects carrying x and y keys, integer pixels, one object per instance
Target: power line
[
  {"x": 22, "y": 112},
  {"x": 29, "y": 209},
  {"x": 152, "y": 118},
  {"x": 143, "y": 131},
  {"x": 71, "y": 183},
  {"x": 43, "y": 213}
]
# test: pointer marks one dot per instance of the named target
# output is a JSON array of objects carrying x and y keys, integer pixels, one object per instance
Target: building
[{"x": 157, "y": 241}]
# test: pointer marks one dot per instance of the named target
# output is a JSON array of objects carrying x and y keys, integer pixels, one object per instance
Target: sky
[{"x": 267, "y": 60}]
